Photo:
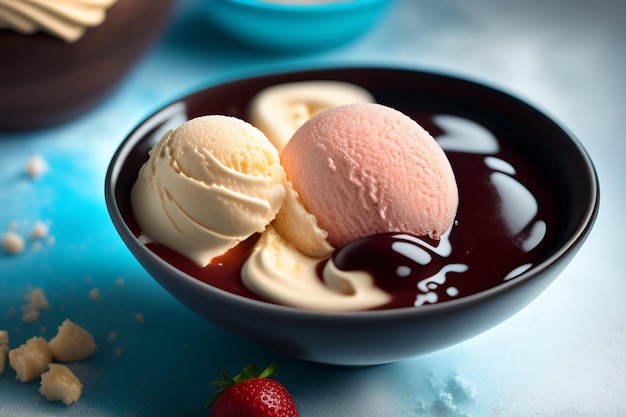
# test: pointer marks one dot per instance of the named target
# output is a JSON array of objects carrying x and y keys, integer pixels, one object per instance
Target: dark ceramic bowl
[
  {"x": 45, "y": 81},
  {"x": 375, "y": 337}
]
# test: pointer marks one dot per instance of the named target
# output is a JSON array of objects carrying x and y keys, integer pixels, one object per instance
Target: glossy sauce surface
[{"x": 505, "y": 224}]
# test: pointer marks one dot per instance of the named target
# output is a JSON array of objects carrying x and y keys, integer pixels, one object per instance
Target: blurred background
[{"x": 561, "y": 356}]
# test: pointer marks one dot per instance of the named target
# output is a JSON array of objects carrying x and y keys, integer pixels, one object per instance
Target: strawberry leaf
[
  {"x": 270, "y": 371},
  {"x": 248, "y": 372}
]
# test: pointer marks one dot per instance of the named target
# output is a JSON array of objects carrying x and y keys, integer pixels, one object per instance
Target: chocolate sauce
[{"x": 506, "y": 223}]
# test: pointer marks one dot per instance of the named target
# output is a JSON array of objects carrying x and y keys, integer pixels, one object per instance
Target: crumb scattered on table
[
  {"x": 111, "y": 337},
  {"x": 37, "y": 301},
  {"x": 39, "y": 230},
  {"x": 30, "y": 316},
  {"x": 72, "y": 343},
  {"x": 31, "y": 359},
  {"x": 36, "y": 166},
  {"x": 139, "y": 318},
  {"x": 94, "y": 294},
  {"x": 4, "y": 349},
  {"x": 60, "y": 384},
  {"x": 36, "y": 358},
  {"x": 12, "y": 242}
]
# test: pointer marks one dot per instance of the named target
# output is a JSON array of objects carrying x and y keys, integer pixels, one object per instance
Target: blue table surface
[{"x": 563, "y": 355}]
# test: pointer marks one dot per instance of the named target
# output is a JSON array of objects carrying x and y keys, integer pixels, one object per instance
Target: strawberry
[{"x": 250, "y": 394}]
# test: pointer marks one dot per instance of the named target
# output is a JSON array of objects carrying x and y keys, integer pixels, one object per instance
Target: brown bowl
[{"x": 46, "y": 81}]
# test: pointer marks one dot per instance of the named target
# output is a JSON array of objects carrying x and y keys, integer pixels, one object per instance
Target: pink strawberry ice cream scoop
[{"x": 365, "y": 169}]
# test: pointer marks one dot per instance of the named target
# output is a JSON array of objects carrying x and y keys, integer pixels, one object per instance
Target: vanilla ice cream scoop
[
  {"x": 300, "y": 228},
  {"x": 208, "y": 185},
  {"x": 365, "y": 169}
]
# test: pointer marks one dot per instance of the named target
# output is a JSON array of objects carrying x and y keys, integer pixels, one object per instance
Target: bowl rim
[{"x": 573, "y": 241}]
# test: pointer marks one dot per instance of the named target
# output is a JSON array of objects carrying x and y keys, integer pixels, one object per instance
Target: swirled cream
[
  {"x": 281, "y": 109},
  {"x": 278, "y": 272},
  {"x": 208, "y": 184},
  {"x": 64, "y": 19}
]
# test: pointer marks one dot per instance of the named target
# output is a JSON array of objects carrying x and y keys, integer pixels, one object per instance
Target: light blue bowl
[{"x": 294, "y": 27}]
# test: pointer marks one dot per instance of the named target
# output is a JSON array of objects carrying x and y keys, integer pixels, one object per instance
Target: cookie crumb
[
  {"x": 37, "y": 166},
  {"x": 31, "y": 359},
  {"x": 37, "y": 300},
  {"x": 94, "y": 294},
  {"x": 139, "y": 318},
  {"x": 4, "y": 349},
  {"x": 72, "y": 343},
  {"x": 39, "y": 230},
  {"x": 36, "y": 358},
  {"x": 111, "y": 337},
  {"x": 12, "y": 243},
  {"x": 30, "y": 316},
  {"x": 60, "y": 384}
]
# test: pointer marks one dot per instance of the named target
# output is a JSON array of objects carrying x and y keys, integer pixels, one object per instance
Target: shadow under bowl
[{"x": 381, "y": 336}]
